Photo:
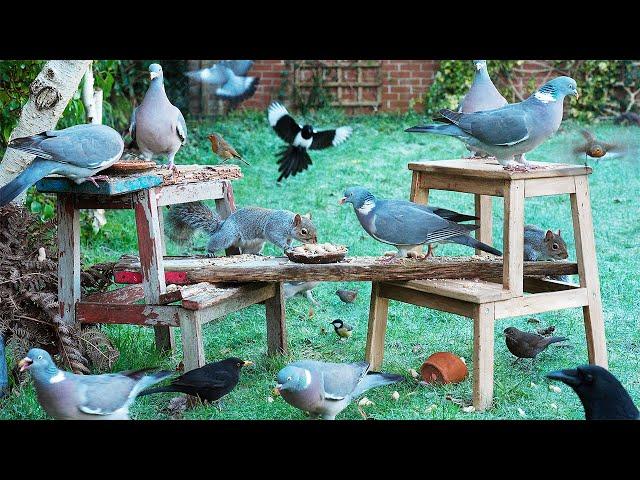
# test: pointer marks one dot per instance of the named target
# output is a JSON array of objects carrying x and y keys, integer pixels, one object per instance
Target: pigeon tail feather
[
  {"x": 472, "y": 242},
  {"x": 35, "y": 171},
  {"x": 372, "y": 380}
]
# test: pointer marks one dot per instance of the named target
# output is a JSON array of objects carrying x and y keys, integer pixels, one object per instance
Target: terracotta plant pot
[{"x": 443, "y": 367}]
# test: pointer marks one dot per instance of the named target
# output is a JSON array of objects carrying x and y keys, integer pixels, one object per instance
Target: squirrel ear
[
  {"x": 307, "y": 215},
  {"x": 548, "y": 235},
  {"x": 297, "y": 220},
  {"x": 559, "y": 232}
]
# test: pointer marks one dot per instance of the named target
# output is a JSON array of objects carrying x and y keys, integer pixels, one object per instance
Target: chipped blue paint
[
  {"x": 4, "y": 379},
  {"x": 113, "y": 186}
]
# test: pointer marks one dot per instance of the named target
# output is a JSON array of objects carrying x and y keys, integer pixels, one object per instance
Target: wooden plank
[
  {"x": 192, "y": 340},
  {"x": 490, "y": 168},
  {"x": 198, "y": 173},
  {"x": 150, "y": 315},
  {"x": 229, "y": 298},
  {"x": 484, "y": 212},
  {"x": 276, "y": 322},
  {"x": 163, "y": 239},
  {"x": 189, "y": 192},
  {"x": 588, "y": 271},
  {"x": 478, "y": 186},
  {"x": 541, "y": 302},
  {"x": 423, "y": 299},
  {"x": 377, "y": 327},
  {"x": 253, "y": 268},
  {"x": 475, "y": 291},
  {"x": 128, "y": 294},
  {"x": 176, "y": 293},
  {"x": 419, "y": 192},
  {"x": 113, "y": 186},
  {"x": 151, "y": 258},
  {"x": 132, "y": 277},
  {"x": 513, "y": 253},
  {"x": 541, "y": 285},
  {"x": 483, "y": 353},
  {"x": 68, "y": 258},
  {"x": 537, "y": 187},
  {"x": 115, "y": 202}
]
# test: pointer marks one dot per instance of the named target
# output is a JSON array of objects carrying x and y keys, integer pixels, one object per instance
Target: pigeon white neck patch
[
  {"x": 367, "y": 207},
  {"x": 57, "y": 378},
  {"x": 307, "y": 378},
  {"x": 545, "y": 97}
]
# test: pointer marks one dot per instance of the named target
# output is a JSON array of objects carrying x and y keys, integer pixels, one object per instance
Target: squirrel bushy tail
[{"x": 184, "y": 219}]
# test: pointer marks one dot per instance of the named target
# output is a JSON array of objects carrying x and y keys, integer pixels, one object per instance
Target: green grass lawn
[{"x": 376, "y": 157}]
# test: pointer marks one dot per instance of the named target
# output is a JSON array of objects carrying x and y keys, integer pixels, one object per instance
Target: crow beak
[
  {"x": 25, "y": 363},
  {"x": 342, "y": 200},
  {"x": 568, "y": 376},
  {"x": 247, "y": 363}
]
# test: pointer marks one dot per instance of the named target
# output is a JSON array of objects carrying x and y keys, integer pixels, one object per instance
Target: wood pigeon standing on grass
[
  {"x": 294, "y": 158},
  {"x": 157, "y": 126},
  {"x": 67, "y": 396},
  {"x": 507, "y": 133},
  {"x": 325, "y": 389},
  {"x": 77, "y": 152},
  {"x": 406, "y": 225}
]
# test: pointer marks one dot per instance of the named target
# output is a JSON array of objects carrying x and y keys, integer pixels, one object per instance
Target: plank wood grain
[{"x": 68, "y": 258}]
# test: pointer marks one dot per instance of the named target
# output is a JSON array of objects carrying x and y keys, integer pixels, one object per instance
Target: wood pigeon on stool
[
  {"x": 407, "y": 225},
  {"x": 507, "y": 133},
  {"x": 77, "y": 152},
  {"x": 67, "y": 396},
  {"x": 157, "y": 126},
  {"x": 294, "y": 158},
  {"x": 325, "y": 389}
]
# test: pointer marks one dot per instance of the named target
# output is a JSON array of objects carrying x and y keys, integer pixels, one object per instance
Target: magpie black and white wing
[
  {"x": 283, "y": 123},
  {"x": 329, "y": 138}
]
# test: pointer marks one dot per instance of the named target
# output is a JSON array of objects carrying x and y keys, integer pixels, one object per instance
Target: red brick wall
[{"x": 403, "y": 82}]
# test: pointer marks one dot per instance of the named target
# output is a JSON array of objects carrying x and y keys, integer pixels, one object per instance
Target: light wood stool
[{"x": 513, "y": 294}]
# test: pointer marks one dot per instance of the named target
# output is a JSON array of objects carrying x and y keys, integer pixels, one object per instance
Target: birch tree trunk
[{"x": 49, "y": 95}]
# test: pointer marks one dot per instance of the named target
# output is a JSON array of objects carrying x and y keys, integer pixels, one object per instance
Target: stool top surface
[
  {"x": 120, "y": 182},
  {"x": 490, "y": 168}
]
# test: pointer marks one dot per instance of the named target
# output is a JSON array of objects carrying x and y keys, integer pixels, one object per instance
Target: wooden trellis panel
[{"x": 351, "y": 83}]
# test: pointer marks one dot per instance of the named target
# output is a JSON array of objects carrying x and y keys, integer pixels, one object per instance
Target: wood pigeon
[
  {"x": 231, "y": 85},
  {"x": 67, "y": 396},
  {"x": 325, "y": 389},
  {"x": 300, "y": 138},
  {"x": 157, "y": 126},
  {"x": 209, "y": 383},
  {"x": 601, "y": 393},
  {"x": 507, "y": 133},
  {"x": 239, "y": 67},
  {"x": 407, "y": 225},
  {"x": 77, "y": 152}
]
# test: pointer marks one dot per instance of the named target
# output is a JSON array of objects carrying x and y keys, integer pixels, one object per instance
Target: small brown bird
[
  {"x": 347, "y": 296},
  {"x": 526, "y": 344},
  {"x": 595, "y": 148},
  {"x": 342, "y": 329},
  {"x": 220, "y": 147},
  {"x": 545, "y": 332}
]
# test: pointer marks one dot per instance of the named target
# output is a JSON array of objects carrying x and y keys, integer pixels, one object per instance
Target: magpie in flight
[{"x": 294, "y": 157}]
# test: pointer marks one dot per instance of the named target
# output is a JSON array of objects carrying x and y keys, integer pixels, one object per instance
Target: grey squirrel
[
  {"x": 292, "y": 289},
  {"x": 541, "y": 245},
  {"x": 246, "y": 229}
]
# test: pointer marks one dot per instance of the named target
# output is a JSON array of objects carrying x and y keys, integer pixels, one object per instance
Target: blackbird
[
  {"x": 210, "y": 383},
  {"x": 602, "y": 395},
  {"x": 220, "y": 147},
  {"x": 347, "y": 296},
  {"x": 342, "y": 329},
  {"x": 527, "y": 345}
]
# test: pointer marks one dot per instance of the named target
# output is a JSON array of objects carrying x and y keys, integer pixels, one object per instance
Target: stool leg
[
  {"x": 378, "y": 313},
  {"x": 420, "y": 195},
  {"x": 483, "y": 340},
  {"x": 68, "y": 258},
  {"x": 276, "y": 322},
  {"x": 192, "y": 340},
  {"x": 484, "y": 211},
  {"x": 588, "y": 272},
  {"x": 513, "y": 237},
  {"x": 151, "y": 258},
  {"x": 225, "y": 206}
]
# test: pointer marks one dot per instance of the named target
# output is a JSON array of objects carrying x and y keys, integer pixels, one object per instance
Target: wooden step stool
[
  {"x": 513, "y": 294},
  {"x": 147, "y": 193}
]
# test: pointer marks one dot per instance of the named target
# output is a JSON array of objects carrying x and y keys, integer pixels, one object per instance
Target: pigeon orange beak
[
  {"x": 342, "y": 200},
  {"x": 25, "y": 363}
]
